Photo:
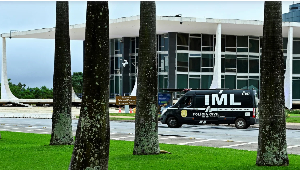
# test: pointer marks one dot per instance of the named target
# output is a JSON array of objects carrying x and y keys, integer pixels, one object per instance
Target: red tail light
[{"x": 253, "y": 113}]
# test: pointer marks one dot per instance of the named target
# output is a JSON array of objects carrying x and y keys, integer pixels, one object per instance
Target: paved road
[{"x": 198, "y": 135}]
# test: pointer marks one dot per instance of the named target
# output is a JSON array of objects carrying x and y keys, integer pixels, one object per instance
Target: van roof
[{"x": 204, "y": 91}]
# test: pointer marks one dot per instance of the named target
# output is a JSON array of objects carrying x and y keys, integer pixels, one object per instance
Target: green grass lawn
[
  {"x": 293, "y": 115},
  {"x": 120, "y": 119},
  {"x": 27, "y": 151},
  {"x": 293, "y": 119},
  {"x": 122, "y": 114}
]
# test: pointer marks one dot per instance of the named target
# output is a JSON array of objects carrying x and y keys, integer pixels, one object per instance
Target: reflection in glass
[
  {"x": 242, "y": 41},
  {"x": 296, "y": 89},
  {"x": 296, "y": 45},
  {"x": 230, "y": 61},
  {"x": 207, "y": 60},
  {"x": 182, "y": 39},
  {"x": 182, "y": 62},
  {"x": 194, "y": 83},
  {"x": 254, "y": 84},
  {"x": 195, "y": 44},
  {"x": 182, "y": 48},
  {"x": 242, "y": 84},
  {"x": 111, "y": 87},
  {"x": 132, "y": 48},
  {"x": 117, "y": 44},
  {"x": 206, "y": 81},
  {"x": 230, "y": 81},
  {"x": 296, "y": 68},
  {"x": 182, "y": 81},
  {"x": 194, "y": 64},
  {"x": 117, "y": 85},
  {"x": 242, "y": 65},
  {"x": 132, "y": 64},
  {"x": 223, "y": 44},
  {"x": 285, "y": 42},
  {"x": 112, "y": 64},
  {"x": 112, "y": 46},
  {"x": 207, "y": 40},
  {"x": 230, "y": 41},
  {"x": 253, "y": 66},
  {"x": 166, "y": 44},
  {"x": 253, "y": 46}
]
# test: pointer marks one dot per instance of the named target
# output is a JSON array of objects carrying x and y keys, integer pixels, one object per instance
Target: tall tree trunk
[
  {"x": 146, "y": 126},
  {"x": 62, "y": 81},
  {"x": 272, "y": 147},
  {"x": 91, "y": 149}
]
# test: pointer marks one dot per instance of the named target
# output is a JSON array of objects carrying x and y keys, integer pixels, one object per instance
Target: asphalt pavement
[{"x": 219, "y": 136}]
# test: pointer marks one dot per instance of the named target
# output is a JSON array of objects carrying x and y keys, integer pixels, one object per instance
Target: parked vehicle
[{"x": 213, "y": 106}]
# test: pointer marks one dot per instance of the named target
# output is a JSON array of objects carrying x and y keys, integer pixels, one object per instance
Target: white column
[
  {"x": 216, "y": 82},
  {"x": 289, "y": 71},
  {"x": 5, "y": 91}
]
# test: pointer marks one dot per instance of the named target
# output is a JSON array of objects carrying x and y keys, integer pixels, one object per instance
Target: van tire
[
  {"x": 173, "y": 122},
  {"x": 240, "y": 123}
]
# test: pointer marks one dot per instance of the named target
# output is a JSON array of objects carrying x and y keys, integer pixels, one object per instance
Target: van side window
[
  {"x": 199, "y": 102},
  {"x": 188, "y": 101}
]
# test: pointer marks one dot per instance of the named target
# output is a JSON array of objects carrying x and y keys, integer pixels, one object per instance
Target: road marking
[
  {"x": 163, "y": 138},
  {"x": 235, "y": 145},
  {"x": 292, "y": 146}
]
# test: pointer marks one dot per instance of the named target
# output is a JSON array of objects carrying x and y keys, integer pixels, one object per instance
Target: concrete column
[
  {"x": 5, "y": 91},
  {"x": 289, "y": 70},
  {"x": 216, "y": 82}
]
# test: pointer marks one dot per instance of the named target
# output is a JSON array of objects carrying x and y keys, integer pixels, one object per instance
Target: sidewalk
[{"x": 294, "y": 126}]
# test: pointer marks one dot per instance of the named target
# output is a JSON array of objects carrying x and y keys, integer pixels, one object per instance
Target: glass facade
[{"x": 194, "y": 60}]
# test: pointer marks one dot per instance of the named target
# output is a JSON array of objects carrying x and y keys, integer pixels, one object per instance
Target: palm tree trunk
[
  {"x": 62, "y": 81},
  {"x": 146, "y": 126},
  {"x": 272, "y": 147},
  {"x": 91, "y": 149}
]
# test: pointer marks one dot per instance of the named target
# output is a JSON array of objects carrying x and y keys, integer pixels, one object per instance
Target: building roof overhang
[{"x": 129, "y": 27}]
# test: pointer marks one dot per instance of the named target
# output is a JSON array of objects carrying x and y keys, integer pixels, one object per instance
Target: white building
[{"x": 192, "y": 53}]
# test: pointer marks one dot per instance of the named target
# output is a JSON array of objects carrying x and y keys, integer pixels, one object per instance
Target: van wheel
[
  {"x": 240, "y": 123},
  {"x": 173, "y": 123}
]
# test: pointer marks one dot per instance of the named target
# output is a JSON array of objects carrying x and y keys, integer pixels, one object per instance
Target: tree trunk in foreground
[
  {"x": 62, "y": 97},
  {"x": 91, "y": 149},
  {"x": 272, "y": 147},
  {"x": 146, "y": 126}
]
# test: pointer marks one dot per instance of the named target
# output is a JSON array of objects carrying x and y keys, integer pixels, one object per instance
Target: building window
[
  {"x": 182, "y": 81},
  {"x": 230, "y": 63},
  {"x": 253, "y": 65},
  {"x": 194, "y": 64},
  {"x": 207, "y": 42},
  {"x": 242, "y": 84},
  {"x": 296, "y": 45},
  {"x": 207, "y": 63},
  {"x": 242, "y": 65},
  {"x": 230, "y": 45},
  {"x": 296, "y": 68},
  {"x": 182, "y": 62},
  {"x": 230, "y": 81},
  {"x": 253, "y": 46},
  {"x": 195, "y": 44},
  {"x": 206, "y": 81},
  {"x": 194, "y": 81},
  {"x": 295, "y": 88},
  {"x": 183, "y": 39}
]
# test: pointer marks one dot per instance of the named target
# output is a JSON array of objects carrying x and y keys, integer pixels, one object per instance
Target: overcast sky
[{"x": 31, "y": 61}]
